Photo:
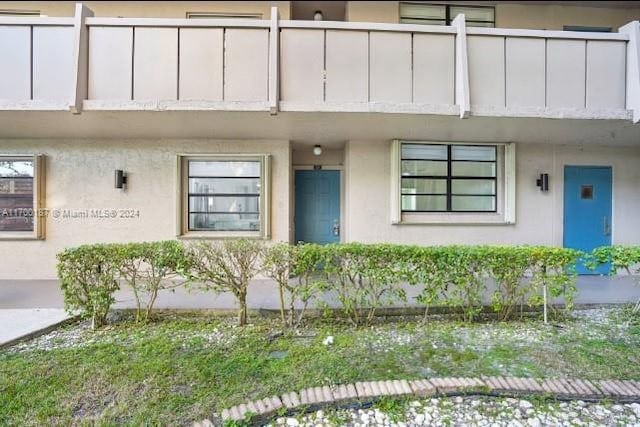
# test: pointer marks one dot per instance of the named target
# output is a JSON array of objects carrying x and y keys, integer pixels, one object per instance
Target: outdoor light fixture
[
  {"x": 543, "y": 182},
  {"x": 317, "y": 150},
  {"x": 121, "y": 179},
  {"x": 317, "y": 16}
]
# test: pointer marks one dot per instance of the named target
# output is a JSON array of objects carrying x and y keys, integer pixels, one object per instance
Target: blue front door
[
  {"x": 587, "y": 210},
  {"x": 317, "y": 206}
]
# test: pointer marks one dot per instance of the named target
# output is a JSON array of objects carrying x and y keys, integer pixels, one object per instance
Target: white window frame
[
  {"x": 506, "y": 189},
  {"x": 39, "y": 214},
  {"x": 265, "y": 197}
]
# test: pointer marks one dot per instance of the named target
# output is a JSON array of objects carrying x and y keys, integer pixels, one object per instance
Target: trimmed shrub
[
  {"x": 89, "y": 277},
  {"x": 282, "y": 262},
  {"x": 150, "y": 267},
  {"x": 622, "y": 258},
  {"x": 226, "y": 266},
  {"x": 364, "y": 277}
]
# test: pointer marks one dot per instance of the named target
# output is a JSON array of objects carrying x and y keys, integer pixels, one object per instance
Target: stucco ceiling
[{"x": 311, "y": 128}]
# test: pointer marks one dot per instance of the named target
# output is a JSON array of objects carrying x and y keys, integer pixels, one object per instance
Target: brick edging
[{"x": 500, "y": 386}]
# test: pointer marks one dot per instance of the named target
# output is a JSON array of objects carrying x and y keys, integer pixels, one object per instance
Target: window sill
[
  {"x": 217, "y": 235},
  {"x": 18, "y": 235},
  {"x": 453, "y": 219}
]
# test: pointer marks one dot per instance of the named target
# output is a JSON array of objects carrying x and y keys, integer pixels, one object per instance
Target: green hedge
[
  {"x": 621, "y": 258},
  {"x": 366, "y": 277},
  {"x": 91, "y": 274},
  {"x": 363, "y": 277}
]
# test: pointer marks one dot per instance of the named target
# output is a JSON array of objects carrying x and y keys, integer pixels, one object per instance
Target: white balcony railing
[{"x": 93, "y": 63}]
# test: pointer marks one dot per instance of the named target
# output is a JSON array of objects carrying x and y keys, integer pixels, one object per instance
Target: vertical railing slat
[
  {"x": 80, "y": 82},
  {"x": 274, "y": 60},
  {"x": 462, "y": 66}
]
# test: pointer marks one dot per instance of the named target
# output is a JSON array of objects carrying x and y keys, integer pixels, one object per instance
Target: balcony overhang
[{"x": 314, "y": 127}]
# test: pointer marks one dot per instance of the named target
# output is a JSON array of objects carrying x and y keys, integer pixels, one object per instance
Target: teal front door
[
  {"x": 587, "y": 210},
  {"x": 317, "y": 202}
]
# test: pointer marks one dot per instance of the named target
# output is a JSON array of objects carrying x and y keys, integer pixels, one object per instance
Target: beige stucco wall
[
  {"x": 155, "y": 9},
  {"x": 303, "y": 156},
  {"x": 531, "y": 16},
  {"x": 554, "y": 17},
  {"x": 80, "y": 175},
  {"x": 539, "y": 216}
]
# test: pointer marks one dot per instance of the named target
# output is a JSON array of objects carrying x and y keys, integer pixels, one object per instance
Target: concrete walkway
[
  {"x": 315, "y": 397},
  {"x": 264, "y": 294},
  {"x": 16, "y": 324}
]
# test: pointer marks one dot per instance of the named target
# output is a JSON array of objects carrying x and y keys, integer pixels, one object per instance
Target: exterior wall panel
[
  {"x": 566, "y": 73},
  {"x": 52, "y": 63},
  {"x": 201, "y": 53},
  {"x": 347, "y": 66},
  {"x": 539, "y": 215},
  {"x": 110, "y": 63},
  {"x": 390, "y": 67},
  {"x": 79, "y": 177},
  {"x": 15, "y": 54},
  {"x": 486, "y": 70},
  {"x": 433, "y": 68},
  {"x": 155, "y": 64},
  {"x": 606, "y": 64},
  {"x": 302, "y": 65},
  {"x": 246, "y": 64},
  {"x": 525, "y": 72}
]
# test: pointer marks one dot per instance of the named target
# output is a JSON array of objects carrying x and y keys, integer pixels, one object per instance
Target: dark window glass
[
  {"x": 448, "y": 178},
  {"x": 16, "y": 194},
  {"x": 443, "y": 14}
]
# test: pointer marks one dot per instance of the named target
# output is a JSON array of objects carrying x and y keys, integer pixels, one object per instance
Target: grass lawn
[{"x": 184, "y": 366}]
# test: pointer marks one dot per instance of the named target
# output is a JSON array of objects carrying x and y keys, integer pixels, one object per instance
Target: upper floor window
[
  {"x": 226, "y": 194},
  {"x": 582, "y": 28},
  {"x": 19, "y": 196},
  {"x": 222, "y": 15},
  {"x": 18, "y": 12},
  {"x": 448, "y": 178},
  {"x": 443, "y": 14}
]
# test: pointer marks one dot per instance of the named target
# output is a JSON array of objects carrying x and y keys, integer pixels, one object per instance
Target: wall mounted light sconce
[
  {"x": 543, "y": 182},
  {"x": 121, "y": 179},
  {"x": 317, "y": 150}
]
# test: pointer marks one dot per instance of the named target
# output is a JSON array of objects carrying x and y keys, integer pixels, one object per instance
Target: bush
[
  {"x": 456, "y": 276},
  {"x": 150, "y": 267},
  {"x": 364, "y": 277},
  {"x": 226, "y": 266},
  {"x": 282, "y": 262},
  {"x": 89, "y": 278},
  {"x": 625, "y": 258}
]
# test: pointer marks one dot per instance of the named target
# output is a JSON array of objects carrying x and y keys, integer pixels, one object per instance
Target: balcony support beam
[
  {"x": 633, "y": 68},
  {"x": 462, "y": 67},
  {"x": 80, "y": 81},
  {"x": 274, "y": 62}
]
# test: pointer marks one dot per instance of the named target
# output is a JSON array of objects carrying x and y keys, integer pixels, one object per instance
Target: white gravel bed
[{"x": 475, "y": 411}]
